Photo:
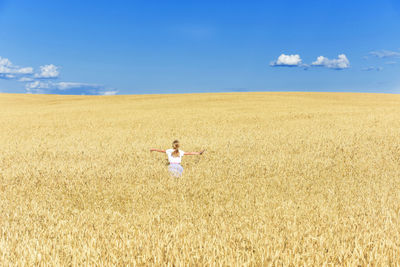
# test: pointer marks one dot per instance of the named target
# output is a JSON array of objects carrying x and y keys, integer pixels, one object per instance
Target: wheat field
[{"x": 288, "y": 179}]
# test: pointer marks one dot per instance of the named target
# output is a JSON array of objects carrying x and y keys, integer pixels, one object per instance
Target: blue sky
[{"x": 140, "y": 47}]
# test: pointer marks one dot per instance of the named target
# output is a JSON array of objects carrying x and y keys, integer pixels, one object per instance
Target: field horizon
[{"x": 288, "y": 178}]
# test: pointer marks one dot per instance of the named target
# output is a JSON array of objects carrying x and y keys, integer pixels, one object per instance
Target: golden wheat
[{"x": 287, "y": 179}]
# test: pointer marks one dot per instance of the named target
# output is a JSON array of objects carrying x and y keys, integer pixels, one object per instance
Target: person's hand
[{"x": 201, "y": 152}]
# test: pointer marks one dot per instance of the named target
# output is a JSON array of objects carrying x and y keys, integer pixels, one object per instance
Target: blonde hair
[{"x": 175, "y": 145}]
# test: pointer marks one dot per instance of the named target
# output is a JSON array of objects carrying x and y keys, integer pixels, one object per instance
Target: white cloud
[
  {"x": 287, "y": 61},
  {"x": 26, "y": 79},
  {"x": 27, "y": 70},
  {"x": 57, "y": 85},
  {"x": 340, "y": 63},
  {"x": 73, "y": 85},
  {"x": 109, "y": 92},
  {"x": 11, "y": 71},
  {"x": 36, "y": 83},
  {"x": 5, "y": 62},
  {"x": 48, "y": 71},
  {"x": 372, "y": 68},
  {"x": 40, "y": 87},
  {"x": 385, "y": 54}
]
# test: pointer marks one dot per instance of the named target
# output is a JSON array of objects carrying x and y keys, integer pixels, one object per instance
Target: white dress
[{"x": 175, "y": 167}]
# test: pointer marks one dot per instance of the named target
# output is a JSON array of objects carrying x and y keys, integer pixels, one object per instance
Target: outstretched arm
[
  {"x": 157, "y": 150},
  {"x": 194, "y": 153}
]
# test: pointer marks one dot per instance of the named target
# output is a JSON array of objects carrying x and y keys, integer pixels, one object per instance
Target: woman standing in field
[{"x": 175, "y": 158}]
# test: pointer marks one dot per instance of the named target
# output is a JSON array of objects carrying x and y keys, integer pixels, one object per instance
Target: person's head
[{"x": 175, "y": 146}]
